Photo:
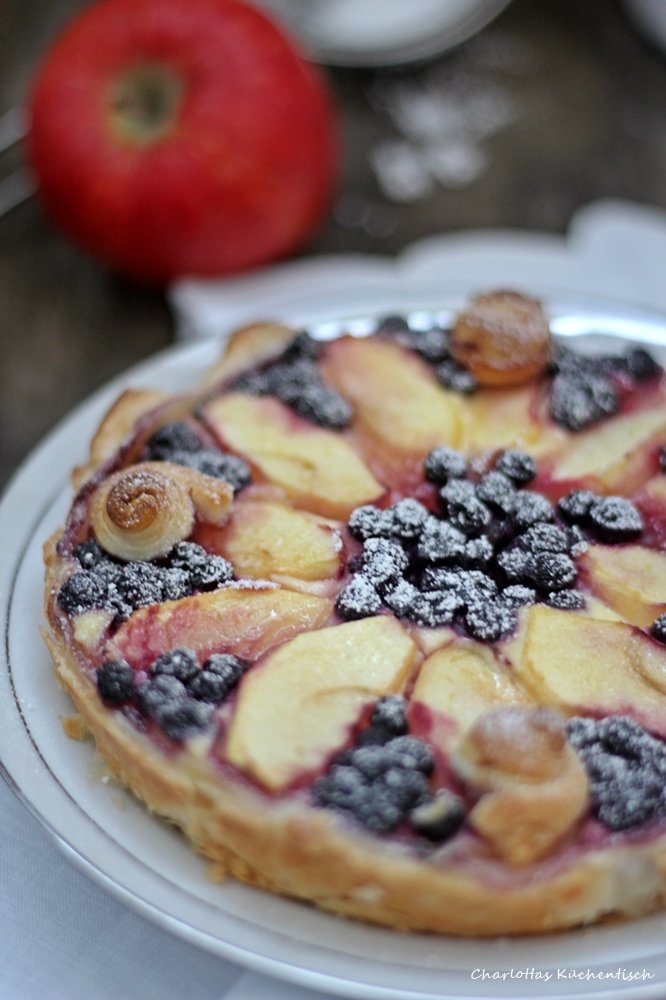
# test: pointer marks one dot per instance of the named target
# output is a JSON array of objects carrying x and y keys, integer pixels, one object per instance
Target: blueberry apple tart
[{"x": 380, "y": 621}]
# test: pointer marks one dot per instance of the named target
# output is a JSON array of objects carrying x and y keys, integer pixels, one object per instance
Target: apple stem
[{"x": 144, "y": 103}]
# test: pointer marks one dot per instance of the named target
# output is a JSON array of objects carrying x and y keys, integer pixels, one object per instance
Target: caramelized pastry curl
[
  {"x": 142, "y": 511},
  {"x": 502, "y": 338},
  {"x": 533, "y": 787}
]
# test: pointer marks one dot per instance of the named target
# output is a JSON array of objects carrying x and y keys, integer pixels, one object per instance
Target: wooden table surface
[{"x": 590, "y": 96}]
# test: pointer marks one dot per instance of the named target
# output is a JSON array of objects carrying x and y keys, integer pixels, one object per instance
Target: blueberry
[
  {"x": 658, "y": 629},
  {"x": 477, "y": 552},
  {"x": 453, "y": 376},
  {"x": 218, "y": 676},
  {"x": 439, "y": 817},
  {"x": 490, "y": 620},
  {"x": 181, "y": 663},
  {"x": 253, "y": 383},
  {"x": 176, "y": 583},
  {"x": 367, "y": 522},
  {"x": 359, "y": 599},
  {"x": 187, "y": 556},
  {"x": 405, "y": 787},
  {"x": 303, "y": 346},
  {"x": 566, "y": 600},
  {"x": 406, "y": 519},
  {"x": 115, "y": 682},
  {"x": 205, "y": 571},
  {"x": 552, "y": 571},
  {"x": 81, "y": 592},
  {"x": 412, "y": 753},
  {"x": 207, "y": 686},
  {"x": 182, "y": 719},
  {"x": 434, "y": 608},
  {"x": 400, "y": 597},
  {"x": 578, "y": 400},
  {"x": 577, "y": 541},
  {"x": 226, "y": 665},
  {"x": 465, "y": 511},
  {"x": 321, "y": 405},
  {"x": 497, "y": 490},
  {"x": 212, "y": 573},
  {"x": 662, "y": 459},
  {"x": 296, "y": 382},
  {"x": 440, "y": 541},
  {"x": 159, "y": 691},
  {"x": 518, "y": 596},
  {"x": 373, "y": 736},
  {"x": 345, "y": 789},
  {"x": 140, "y": 584},
  {"x": 530, "y": 508},
  {"x": 641, "y": 364},
  {"x": 515, "y": 564},
  {"x": 442, "y": 464},
  {"x": 626, "y": 767},
  {"x": 383, "y": 560},
  {"x": 518, "y": 466},
  {"x": 177, "y": 436},
  {"x": 108, "y": 572},
  {"x": 575, "y": 506},
  {"x": 615, "y": 519},
  {"x": 342, "y": 787},
  {"x": 218, "y": 464},
  {"x": 89, "y": 554},
  {"x": 467, "y": 585},
  {"x": 370, "y": 758},
  {"x": 392, "y": 324},
  {"x": 380, "y": 781},
  {"x": 544, "y": 537},
  {"x": 432, "y": 345},
  {"x": 390, "y": 712},
  {"x": 379, "y": 813}
]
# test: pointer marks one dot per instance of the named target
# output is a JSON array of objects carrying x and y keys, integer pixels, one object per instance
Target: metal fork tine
[
  {"x": 17, "y": 187},
  {"x": 13, "y": 128}
]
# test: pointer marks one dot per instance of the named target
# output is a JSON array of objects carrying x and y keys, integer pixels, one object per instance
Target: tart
[{"x": 380, "y": 622}]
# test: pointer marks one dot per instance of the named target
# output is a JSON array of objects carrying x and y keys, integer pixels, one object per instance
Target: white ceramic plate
[{"x": 150, "y": 866}]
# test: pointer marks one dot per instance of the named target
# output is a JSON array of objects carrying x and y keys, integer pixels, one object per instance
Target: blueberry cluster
[
  {"x": 583, "y": 388},
  {"x": 609, "y": 519},
  {"x": 626, "y": 767},
  {"x": 433, "y": 346},
  {"x": 180, "y": 695},
  {"x": 383, "y": 781},
  {"x": 107, "y": 584},
  {"x": 295, "y": 379},
  {"x": 178, "y": 442},
  {"x": 493, "y": 548}
]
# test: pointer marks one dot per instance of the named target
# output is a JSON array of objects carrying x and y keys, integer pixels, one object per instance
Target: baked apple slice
[
  {"x": 508, "y": 420},
  {"x": 462, "y": 681},
  {"x": 317, "y": 469},
  {"x": 629, "y": 578},
  {"x": 245, "y": 621},
  {"x": 400, "y": 409},
  {"x": 579, "y": 663},
  {"x": 267, "y": 540},
  {"x": 299, "y": 706},
  {"x": 616, "y": 455}
]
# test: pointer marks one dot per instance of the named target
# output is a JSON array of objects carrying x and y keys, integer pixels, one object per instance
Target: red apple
[{"x": 178, "y": 137}]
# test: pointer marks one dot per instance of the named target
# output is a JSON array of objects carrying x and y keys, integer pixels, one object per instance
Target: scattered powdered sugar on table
[{"x": 443, "y": 116}]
